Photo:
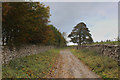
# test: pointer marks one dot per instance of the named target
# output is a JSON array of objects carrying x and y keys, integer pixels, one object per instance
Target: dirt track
[{"x": 68, "y": 66}]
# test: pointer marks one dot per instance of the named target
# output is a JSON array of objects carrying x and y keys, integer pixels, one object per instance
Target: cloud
[
  {"x": 119, "y": 31},
  {"x": 101, "y": 17}
]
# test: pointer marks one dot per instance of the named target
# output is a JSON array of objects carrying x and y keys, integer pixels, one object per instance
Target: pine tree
[{"x": 80, "y": 34}]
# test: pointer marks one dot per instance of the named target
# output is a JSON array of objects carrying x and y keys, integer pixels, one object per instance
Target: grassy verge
[
  {"x": 102, "y": 65},
  {"x": 112, "y": 43},
  {"x": 33, "y": 66}
]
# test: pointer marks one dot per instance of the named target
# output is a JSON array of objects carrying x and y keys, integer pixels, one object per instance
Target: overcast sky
[{"x": 100, "y": 17}]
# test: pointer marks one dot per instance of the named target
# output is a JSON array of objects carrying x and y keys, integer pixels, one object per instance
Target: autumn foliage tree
[
  {"x": 57, "y": 38},
  {"x": 27, "y": 23},
  {"x": 80, "y": 34}
]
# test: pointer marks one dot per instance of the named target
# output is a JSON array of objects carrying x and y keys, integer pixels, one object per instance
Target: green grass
[
  {"x": 100, "y": 64},
  {"x": 112, "y": 43},
  {"x": 33, "y": 66}
]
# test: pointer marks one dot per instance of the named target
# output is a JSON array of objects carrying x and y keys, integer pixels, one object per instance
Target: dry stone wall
[
  {"x": 112, "y": 51},
  {"x": 8, "y": 55}
]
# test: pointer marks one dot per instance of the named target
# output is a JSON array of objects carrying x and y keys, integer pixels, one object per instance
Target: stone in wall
[
  {"x": 22, "y": 52},
  {"x": 112, "y": 51}
]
